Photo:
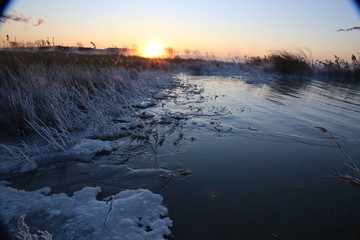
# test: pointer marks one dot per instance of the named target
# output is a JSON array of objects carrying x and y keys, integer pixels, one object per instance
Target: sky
[{"x": 222, "y": 27}]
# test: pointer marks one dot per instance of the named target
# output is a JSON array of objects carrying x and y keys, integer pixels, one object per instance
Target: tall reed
[
  {"x": 290, "y": 63},
  {"x": 69, "y": 92}
]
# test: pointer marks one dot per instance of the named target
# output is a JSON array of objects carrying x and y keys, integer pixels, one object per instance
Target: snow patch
[
  {"x": 12, "y": 165},
  {"x": 145, "y": 104},
  {"x": 92, "y": 146},
  {"x": 134, "y": 214}
]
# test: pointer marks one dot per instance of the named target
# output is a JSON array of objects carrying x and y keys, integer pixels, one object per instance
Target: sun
[{"x": 154, "y": 50}]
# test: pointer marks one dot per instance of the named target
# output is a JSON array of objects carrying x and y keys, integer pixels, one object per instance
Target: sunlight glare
[{"x": 153, "y": 50}]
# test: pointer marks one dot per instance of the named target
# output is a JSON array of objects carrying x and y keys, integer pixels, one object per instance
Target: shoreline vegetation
[
  {"x": 56, "y": 92},
  {"x": 51, "y": 101}
]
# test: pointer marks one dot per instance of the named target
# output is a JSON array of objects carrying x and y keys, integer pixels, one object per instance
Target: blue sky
[{"x": 223, "y": 27}]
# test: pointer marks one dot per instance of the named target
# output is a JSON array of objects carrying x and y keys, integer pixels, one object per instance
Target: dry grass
[
  {"x": 350, "y": 163},
  {"x": 23, "y": 232},
  {"x": 60, "y": 92},
  {"x": 290, "y": 63},
  {"x": 300, "y": 63},
  {"x": 340, "y": 68},
  {"x": 284, "y": 63}
]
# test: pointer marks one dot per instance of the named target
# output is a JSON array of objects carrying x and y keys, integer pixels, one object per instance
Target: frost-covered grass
[
  {"x": 46, "y": 92},
  {"x": 56, "y": 94},
  {"x": 23, "y": 232},
  {"x": 71, "y": 104},
  {"x": 136, "y": 214},
  {"x": 63, "y": 96}
]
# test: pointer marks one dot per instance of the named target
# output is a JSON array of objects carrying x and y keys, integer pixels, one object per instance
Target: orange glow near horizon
[
  {"x": 154, "y": 50},
  {"x": 228, "y": 34}
]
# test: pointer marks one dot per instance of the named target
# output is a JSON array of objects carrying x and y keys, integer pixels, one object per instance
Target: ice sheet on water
[
  {"x": 111, "y": 178},
  {"x": 82, "y": 149},
  {"x": 135, "y": 214},
  {"x": 92, "y": 146},
  {"x": 8, "y": 165},
  {"x": 145, "y": 104}
]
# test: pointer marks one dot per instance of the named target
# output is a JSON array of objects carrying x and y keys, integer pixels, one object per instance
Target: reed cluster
[{"x": 68, "y": 92}]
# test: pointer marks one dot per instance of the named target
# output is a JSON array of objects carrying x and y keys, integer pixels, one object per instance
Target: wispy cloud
[
  {"x": 14, "y": 17},
  {"x": 348, "y": 29},
  {"x": 39, "y": 22},
  {"x": 19, "y": 18}
]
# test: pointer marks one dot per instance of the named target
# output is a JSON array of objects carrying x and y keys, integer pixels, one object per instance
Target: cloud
[
  {"x": 348, "y": 29},
  {"x": 14, "y": 17},
  {"x": 39, "y": 22},
  {"x": 19, "y": 18}
]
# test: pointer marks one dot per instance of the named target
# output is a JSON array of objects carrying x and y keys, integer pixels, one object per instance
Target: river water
[
  {"x": 236, "y": 158},
  {"x": 254, "y": 166}
]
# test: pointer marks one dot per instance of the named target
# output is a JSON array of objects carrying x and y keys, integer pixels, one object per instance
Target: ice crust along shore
[
  {"x": 90, "y": 146},
  {"x": 83, "y": 147},
  {"x": 82, "y": 216},
  {"x": 136, "y": 214}
]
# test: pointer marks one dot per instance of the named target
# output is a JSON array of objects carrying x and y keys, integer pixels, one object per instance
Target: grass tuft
[
  {"x": 350, "y": 163},
  {"x": 55, "y": 93},
  {"x": 290, "y": 63},
  {"x": 340, "y": 68}
]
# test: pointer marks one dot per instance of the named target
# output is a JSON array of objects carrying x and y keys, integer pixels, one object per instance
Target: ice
[
  {"x": 90, "y": 146},
  {"x": 134, "y": 214},
  {"x": 81, "y": 150},
  {"x": 8, "y": 165},
  {"x": 111, "y": 178},
  {"x": 145, "y": 104}
]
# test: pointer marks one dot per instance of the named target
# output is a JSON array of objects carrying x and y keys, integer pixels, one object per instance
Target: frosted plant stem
[
  {"x": 111, "y": 200},
  {"x": 351, "y": 163},
  {"x": 20, "y": 156}
]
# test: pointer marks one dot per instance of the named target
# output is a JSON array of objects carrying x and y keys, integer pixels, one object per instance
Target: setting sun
[{"x": 154, "y": 49}]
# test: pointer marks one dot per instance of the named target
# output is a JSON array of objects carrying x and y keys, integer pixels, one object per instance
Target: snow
[
  {"x": 90, "y": 146},
  {"x": 8, "y": 165},
  {"x": 145, "y": 104},
  {"x": 135, "y": 214},
  {"x": 84, "y": 147}
]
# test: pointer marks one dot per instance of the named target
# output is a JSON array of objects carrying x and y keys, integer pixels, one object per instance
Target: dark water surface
[
  {"x": 260, "y": 170},
  {"x": 245, "y": 159}
]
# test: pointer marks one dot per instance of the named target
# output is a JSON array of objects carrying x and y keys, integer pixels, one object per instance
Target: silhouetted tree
[{"x": 169, "y": 51}]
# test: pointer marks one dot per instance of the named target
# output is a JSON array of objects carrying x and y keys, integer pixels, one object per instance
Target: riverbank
[{"x": 95, "y": 122}]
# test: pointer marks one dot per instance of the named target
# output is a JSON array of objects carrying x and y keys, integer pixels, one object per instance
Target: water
[
  {"x": 260, "y": 170},
  {"x": 246, "y": 160}
]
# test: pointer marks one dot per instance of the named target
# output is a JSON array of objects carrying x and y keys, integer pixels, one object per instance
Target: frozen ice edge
[
  {"x": 136, "y": 214},
  {"x": 84, "y": 147}
]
